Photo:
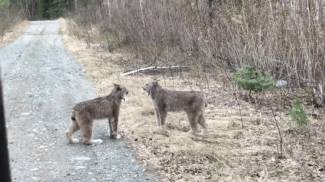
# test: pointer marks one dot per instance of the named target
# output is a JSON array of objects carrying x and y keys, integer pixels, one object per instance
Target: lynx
[
  {"x": 192, "y": 102},
  {"x": 84, "y": 114}
]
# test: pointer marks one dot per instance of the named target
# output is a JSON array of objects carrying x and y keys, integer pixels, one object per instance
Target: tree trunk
[{"x": 75, "y": 4}]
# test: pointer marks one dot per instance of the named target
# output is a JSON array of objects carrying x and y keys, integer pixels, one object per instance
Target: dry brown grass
[
  {"x": 13, "y": 33},
  {"x": 228, "y": 153}
]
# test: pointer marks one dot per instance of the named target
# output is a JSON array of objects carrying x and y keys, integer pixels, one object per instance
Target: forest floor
[{"x": 243, "y": 140}]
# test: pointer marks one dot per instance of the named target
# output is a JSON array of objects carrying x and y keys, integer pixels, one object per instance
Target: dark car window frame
[{"x": 4, "y": 154}]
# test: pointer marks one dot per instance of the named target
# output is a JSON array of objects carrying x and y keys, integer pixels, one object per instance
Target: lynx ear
[
  {"x": 117, "y": 86},
  {"x": 155, "y": 83}
]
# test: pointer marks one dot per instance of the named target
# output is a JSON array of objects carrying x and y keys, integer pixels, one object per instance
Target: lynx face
[
  {"x": 151, "y": 87},
  {"x": 120, "y": 91}
]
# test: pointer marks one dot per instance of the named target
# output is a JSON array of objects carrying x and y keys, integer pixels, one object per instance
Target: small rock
[
  {"x": 25, "y": 114},
  {"x": 34, "y": 178},
  {"x": 80, "y": 167},
  {"x": 281, "y": 83},
  {"x": 81, "y": 158}
]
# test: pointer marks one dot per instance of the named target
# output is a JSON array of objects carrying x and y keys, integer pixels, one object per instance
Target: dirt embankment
[
  {"x": 13, "y": 33},
  {"x": 228, "y": 153}
]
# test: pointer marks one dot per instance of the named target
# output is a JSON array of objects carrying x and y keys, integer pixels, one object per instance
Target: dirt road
[{"x": 41, "y": 84}]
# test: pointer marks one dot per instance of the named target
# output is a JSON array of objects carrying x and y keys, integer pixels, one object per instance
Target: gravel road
[{"x": 41, "y": 84}]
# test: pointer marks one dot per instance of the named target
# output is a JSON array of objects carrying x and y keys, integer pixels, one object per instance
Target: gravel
[{"x": 41, "y": 84}]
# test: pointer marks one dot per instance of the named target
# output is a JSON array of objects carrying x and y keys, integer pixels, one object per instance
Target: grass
[{"x": 11, "y": 32}]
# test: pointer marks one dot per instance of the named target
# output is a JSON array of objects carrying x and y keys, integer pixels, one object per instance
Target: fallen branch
[{"x": 156, "y": 69}]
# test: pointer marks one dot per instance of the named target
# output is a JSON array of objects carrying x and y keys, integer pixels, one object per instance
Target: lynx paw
[
  {"x": 73, "y": 141},
  {"x": 115, "y": 136},
  {"x": 193, "y": 132},
  {"x": 118, "y": 136},
  {"x": 205, "y": 132}
]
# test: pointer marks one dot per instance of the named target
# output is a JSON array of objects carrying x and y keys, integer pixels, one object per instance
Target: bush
[
  {"x": 56, "y": 8},
  {"x": 224, "y": 34},
  {"x": 4, "y": 4},
  {"x": 298, "y": 114},
  {"x": 9, "y": 15},
  {"x": 252, "y": 79}
]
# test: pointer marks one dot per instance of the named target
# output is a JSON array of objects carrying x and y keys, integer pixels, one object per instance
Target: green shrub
[
  {"x": 4, "y": 4},
  {"x": 298, "y": 114},
  {"x": 252, "y": 79},
  {"x": 56, "y": 8}
]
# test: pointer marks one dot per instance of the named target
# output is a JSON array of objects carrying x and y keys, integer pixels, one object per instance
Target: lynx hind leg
[
  {"x": 73, "y": 128},
  {"x": 86, "y": 126},
  {"x": 203, "y": 123},
  {"x": 87, "y": 136},
  {"x": 193, "y": 118},
  {"x": 158, "y": 116}
]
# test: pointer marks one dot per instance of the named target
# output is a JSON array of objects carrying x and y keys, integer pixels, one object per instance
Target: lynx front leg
[
  {"x": 112, "y": 132},
  {"x": 163, "y": 116},
  {"x": 158, "y": 116},
  {"x": 114, "y": 124}
]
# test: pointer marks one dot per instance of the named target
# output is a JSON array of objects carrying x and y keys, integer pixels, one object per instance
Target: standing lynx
[
  {"x": 84, "y": 114},
  {"x": 192, "y": 102}
]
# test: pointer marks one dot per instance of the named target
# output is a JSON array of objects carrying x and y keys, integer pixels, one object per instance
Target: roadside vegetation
[
  {"x": 14, "y": 13},
  {"x": 10, "y": 14}
]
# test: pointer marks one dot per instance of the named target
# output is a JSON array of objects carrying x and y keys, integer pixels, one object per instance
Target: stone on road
[{"x": 42, "y": 82}]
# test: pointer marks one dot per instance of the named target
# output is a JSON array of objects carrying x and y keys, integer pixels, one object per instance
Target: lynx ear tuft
[
  {"x": 117, "y": 86},
  {"x": 155, "y": 83}
]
